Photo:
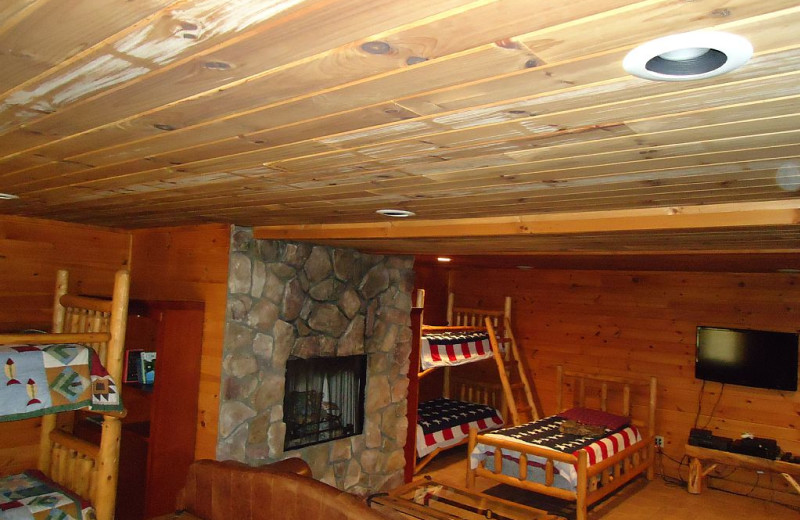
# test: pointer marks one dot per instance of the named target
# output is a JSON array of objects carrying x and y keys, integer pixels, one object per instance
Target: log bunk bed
[
  {"x": 443, "y": 423},
  {"x": 77, "y": 366},
  {"x": 583, "y": 453}
]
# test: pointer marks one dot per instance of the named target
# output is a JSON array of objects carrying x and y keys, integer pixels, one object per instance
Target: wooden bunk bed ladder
[{"x": 517, "y": 387}]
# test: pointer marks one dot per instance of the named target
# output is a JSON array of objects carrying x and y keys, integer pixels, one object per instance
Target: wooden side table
[{"x": 698, "y": 472}]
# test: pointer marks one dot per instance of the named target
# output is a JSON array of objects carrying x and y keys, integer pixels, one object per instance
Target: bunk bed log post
[
  {"x": 651, "y": 428},
  {"x": 413, "y": 393},
  {"x": 107, "y": 470},
  {"x": 450, "y": 302},
  {"x": 119, "y": 315},
  {"x": 49, "y": 421},
  {"x": 62, "y": 286},
  {"x": 473, "y": 437}
]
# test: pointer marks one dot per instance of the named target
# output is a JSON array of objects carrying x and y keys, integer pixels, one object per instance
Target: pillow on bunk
[{"x": 596, "y": 418}]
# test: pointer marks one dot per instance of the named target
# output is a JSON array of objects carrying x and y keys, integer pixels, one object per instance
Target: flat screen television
[{"x": 757, "y": 358}]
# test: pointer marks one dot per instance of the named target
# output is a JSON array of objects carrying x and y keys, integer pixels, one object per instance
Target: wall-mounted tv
[{"x": 757, "y": 358}]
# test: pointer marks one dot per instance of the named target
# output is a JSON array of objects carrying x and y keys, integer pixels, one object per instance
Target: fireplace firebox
[{"x": 324, "y": 399}]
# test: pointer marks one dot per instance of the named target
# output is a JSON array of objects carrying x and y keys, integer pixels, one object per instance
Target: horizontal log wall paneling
[
  {"x": 31, "y": 251},
  {"x": 190, "y": 264},
  {"x": 644, "y": 323}
]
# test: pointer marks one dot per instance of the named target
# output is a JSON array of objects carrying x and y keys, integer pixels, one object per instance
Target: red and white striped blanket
[{"x": 454, "y": 348}]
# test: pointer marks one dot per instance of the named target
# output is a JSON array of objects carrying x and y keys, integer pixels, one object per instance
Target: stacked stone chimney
[{"x": 296, "y": 299}]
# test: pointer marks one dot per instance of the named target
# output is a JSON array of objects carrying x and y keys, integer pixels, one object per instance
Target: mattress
[
  {"x": 32, "y": 496},
  {"x": 442, "y": 423},
  {"x": 454, "y": 348},
  {"x": 545, "y": 433}
]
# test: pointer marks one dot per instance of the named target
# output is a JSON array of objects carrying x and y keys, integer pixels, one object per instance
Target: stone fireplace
[{"x": 304, "y": 301}]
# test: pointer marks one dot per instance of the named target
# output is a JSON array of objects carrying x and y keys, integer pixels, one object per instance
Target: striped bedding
[
  {"x": 546, "y": 433},
  {"x": 454, "y": 348},
  {"x": 442, "y": 423}
]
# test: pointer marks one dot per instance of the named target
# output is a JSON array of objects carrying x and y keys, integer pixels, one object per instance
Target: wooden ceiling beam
[{"x": 735, "y": 215}]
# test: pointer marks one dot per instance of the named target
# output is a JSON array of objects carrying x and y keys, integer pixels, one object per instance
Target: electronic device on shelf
[
  {"x": 756, "y": 447},
  {"x": 704, "y": 439},
  {"x": 752, "y": 446}
]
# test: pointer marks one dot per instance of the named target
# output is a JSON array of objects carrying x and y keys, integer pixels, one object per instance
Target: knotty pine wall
[
  {"x": 31, "y": 251},
  {"x": 644, "y": 323},
  {"x": 182, "y": 263},
  {"x": 190, "y": 264}
]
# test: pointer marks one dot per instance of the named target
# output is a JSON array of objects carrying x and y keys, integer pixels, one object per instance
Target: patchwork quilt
[
  {"x": 445, "y": 422},
  {"x": 41, "y": 379},
  {"x": 32, "y": 496},
  {"x": 454, "y": 348},
  {"x": 547, "y": 433}
]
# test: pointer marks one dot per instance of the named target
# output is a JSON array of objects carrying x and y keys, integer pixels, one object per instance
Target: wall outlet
[{"x": 659, "y": 440}]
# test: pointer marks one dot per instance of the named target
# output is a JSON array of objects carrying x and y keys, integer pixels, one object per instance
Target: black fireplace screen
[{"x": 324, "y": 399}]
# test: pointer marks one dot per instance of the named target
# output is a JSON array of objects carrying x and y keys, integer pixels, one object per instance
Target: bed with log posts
[
  {"x": 44, "y": 376},
  {"x": 581, "y": 454}
]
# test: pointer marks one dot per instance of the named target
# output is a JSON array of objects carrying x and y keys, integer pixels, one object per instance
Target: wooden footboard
[{"x": 593, "y": 482}]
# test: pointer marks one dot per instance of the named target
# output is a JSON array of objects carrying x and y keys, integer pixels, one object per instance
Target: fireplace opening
[{"x": 324, "y": 399}]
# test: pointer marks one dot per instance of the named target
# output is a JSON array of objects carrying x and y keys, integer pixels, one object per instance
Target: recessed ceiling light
[
  {"x": 398, "y": 213},
  {"x": 444, "y": 259},
  {"x": 688, "y": 56},
  {"x": 7, "y": 196},
  {"x": 788, "y": 176}
]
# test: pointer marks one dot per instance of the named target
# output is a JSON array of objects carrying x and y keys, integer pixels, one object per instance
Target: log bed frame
[
  {"x": 87, "y": 469},
  {"x": 594, "y": 482}
]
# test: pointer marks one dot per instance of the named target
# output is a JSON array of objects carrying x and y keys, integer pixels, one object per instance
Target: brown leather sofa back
[{"x": 231, "y": 490}]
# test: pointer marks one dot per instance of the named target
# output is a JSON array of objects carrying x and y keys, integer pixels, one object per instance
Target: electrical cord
[
  {"x": 714, "y": 409},
  {"x": 699, "y": 403}
]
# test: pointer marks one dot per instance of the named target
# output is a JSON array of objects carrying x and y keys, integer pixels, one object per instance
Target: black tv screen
[{"x": 756, "y": 358}]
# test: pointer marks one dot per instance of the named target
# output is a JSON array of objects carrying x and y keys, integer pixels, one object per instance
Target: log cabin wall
[
  {"x": 190, "y": 264},
  {"x": 644, "y": 323},
  {"x": 31, "y": 251}
]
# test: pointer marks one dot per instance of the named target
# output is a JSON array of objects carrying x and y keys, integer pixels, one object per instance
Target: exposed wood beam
[{"x": 772, "y": 213}]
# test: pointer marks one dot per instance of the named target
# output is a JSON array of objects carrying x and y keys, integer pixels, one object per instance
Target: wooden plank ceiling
[{"x": 487, "y": 119}]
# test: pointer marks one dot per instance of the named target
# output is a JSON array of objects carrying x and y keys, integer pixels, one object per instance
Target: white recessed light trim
[
  {"x": 8, "y": 196},
  {"x": 688, "y": 56},
  {"x": 397, "y": 213}
]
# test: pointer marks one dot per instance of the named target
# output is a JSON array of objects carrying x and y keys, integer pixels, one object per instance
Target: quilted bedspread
[
  {"x": 31, "y": 496},
  {"x": 445, "y": 422},
  {"x": 41, "y": 379}
]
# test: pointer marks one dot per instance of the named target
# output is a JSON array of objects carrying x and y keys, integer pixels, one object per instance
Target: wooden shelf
[{"x": 698, "y": 455}]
